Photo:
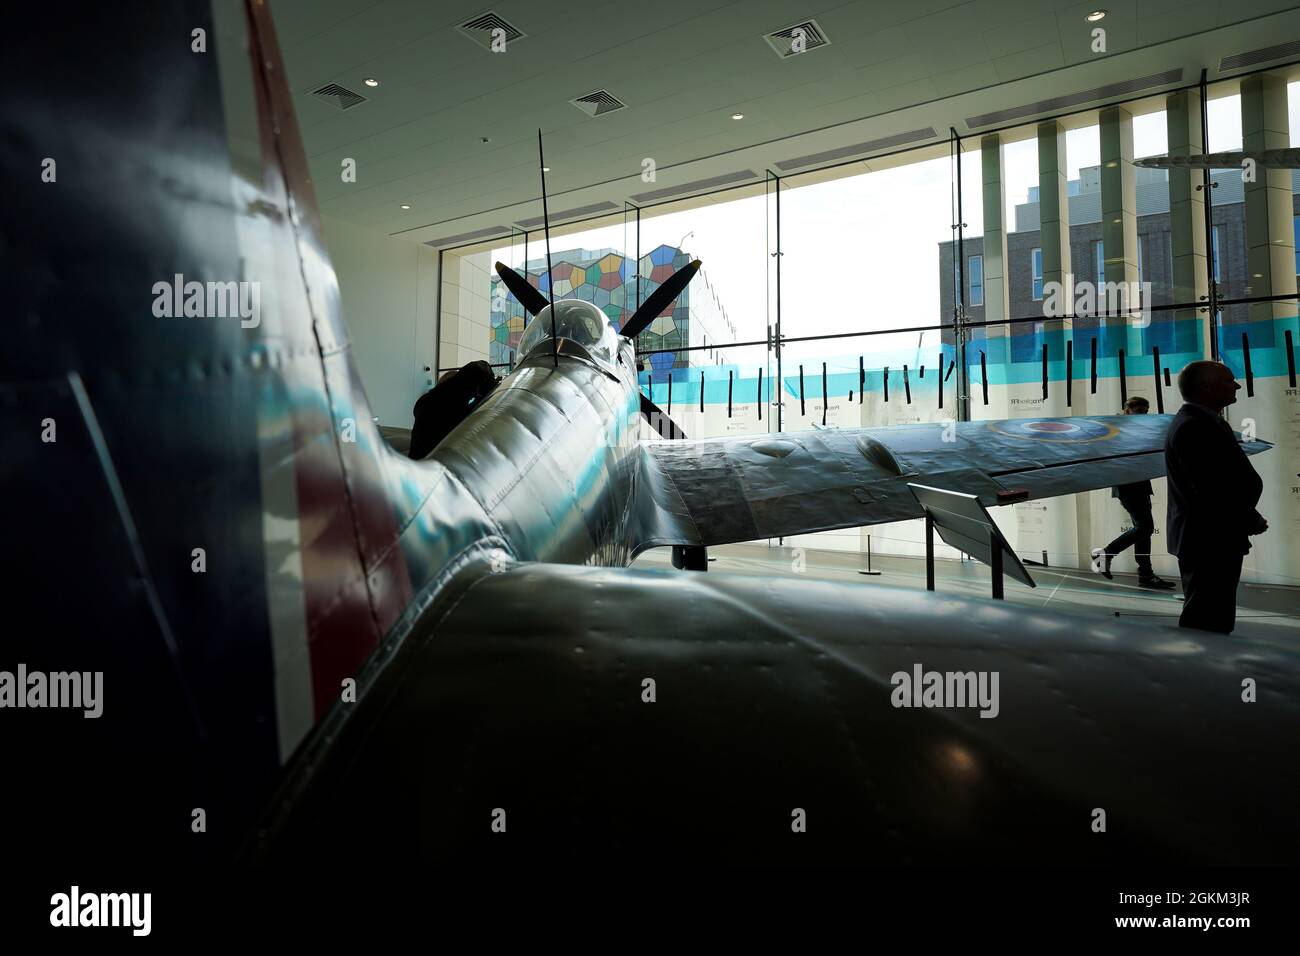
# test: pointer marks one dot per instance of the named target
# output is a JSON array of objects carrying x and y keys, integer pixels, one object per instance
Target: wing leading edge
[{"x": 732, "y": 489}]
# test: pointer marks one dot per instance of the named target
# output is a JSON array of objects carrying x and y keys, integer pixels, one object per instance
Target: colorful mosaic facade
[{"x": 607, "y": 279}]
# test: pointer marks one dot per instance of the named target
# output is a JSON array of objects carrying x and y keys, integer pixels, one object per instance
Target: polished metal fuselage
[{"x": 549, "y": 459}]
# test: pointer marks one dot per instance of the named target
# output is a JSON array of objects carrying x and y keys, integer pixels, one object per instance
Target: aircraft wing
[
  {"x": 533, "y": 695},
  {"x": 730, "y": 489}
]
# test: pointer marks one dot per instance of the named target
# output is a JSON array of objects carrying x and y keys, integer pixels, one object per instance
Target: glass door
[{"x": 773, "y": 390}]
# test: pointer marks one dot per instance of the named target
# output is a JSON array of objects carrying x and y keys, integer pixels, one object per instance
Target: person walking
[{"x": 1136, "y": 499}]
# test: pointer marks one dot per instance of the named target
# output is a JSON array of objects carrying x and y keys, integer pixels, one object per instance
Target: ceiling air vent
[
  {"x": 465, "y": 237},
  {"x": 784, "y": 41},
  {"x": 1240, "y": 60},
  {"x": 1060, "y": 103},
  {"x": 568, "y": 214},
  {"x": 482, "y": 30},
  {"x": 698, "y": 185},
  {"x": 871, "y": 146},
  {"x": 339, "y": 96},
  {"x": 598, "y": 103}
]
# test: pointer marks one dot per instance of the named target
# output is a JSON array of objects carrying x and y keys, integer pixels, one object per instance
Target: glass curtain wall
[
  {"x": 1254, "y": 214},
  {"x": 695, "y": 346},
  {"x": 861, "y": 308},
  {"x": 885, "y": 291}
]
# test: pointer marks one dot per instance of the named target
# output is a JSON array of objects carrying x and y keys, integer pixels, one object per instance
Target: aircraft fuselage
[{"x": 550, "y": 458}]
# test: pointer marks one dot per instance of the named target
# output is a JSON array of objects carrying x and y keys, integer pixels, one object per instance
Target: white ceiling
[{"x": 683, "y": 67}]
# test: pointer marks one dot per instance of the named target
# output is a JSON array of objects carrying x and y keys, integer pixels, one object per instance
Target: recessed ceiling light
[
  {"x": 1096, "y": 15},
  {"x": 405, "y": 206},
  {"x": 737, "y": 115},
  {"x": 370, "y": 81}
]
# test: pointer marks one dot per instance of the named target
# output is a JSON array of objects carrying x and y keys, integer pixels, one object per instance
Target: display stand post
[
  {"x": 929, "y": 550},
  {"x": 963, "y": 522}
]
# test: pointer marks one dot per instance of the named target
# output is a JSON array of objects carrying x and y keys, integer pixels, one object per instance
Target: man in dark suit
[
  {"x": 1136, "y": 499},
  {"x": 1213, "y": 490},
  {"x": 445, "y": 406}
]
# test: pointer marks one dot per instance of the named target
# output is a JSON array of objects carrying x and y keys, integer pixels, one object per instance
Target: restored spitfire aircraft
[{"x": 312, "y": 644}]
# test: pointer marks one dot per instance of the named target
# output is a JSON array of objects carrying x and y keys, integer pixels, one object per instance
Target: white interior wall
[
  {"x": 388, "y": 288},
  {"x": 466, "y": 321}
]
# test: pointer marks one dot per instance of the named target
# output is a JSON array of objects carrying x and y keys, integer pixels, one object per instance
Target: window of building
[
  {"x": 976, "y": 280},
  {"x": 1214, "y": 241},
  {"x": 1099, "y": 257},
  {"x": 1139, "y": 258},
  {"x": 1295, "y": 225},
  {"x": 1037, "y": 256}
]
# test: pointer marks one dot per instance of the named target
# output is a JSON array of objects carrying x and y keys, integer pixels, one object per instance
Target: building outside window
[
  {"x": 607, "y": 278},
  {"x": 1155, "y": 259},
  {"x": 976, "y": 280}
]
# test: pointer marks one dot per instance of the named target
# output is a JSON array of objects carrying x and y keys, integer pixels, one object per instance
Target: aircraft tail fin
[{"x": 187, "y": 448}]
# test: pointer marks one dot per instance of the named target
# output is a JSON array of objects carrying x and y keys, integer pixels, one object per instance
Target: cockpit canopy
[{"x": 576, "y": 320}]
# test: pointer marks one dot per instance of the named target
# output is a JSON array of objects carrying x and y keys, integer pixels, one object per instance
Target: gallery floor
[{"x": 1264, "y": 611}]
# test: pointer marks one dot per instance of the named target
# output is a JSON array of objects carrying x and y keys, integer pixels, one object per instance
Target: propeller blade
[
  {"x": 531, "y": 299},
  {"x": 659, "y": 421},
  {"x": 659, "y": 300}
]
